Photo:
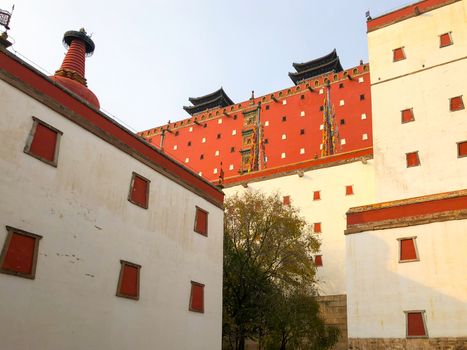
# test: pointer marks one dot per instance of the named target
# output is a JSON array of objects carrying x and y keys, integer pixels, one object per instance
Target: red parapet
[{"x": 405, "y": 13}]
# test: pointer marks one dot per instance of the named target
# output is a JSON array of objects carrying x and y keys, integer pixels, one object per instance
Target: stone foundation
[
  {"x": 408, "y": 344},
  {"x": 333, "y": 308}
]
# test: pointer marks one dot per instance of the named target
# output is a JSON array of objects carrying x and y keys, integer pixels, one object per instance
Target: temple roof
[
  {"x": 213, "y": 100},
  {"x": 318, "y": 66}
]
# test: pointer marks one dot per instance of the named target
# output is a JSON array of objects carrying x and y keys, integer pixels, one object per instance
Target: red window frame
[
  {"x": 412, "y": 159},
  {"x": 318, "y": 260},
  {"x": 134, "y": 194},
  {"x": 316, "y": 195},
  {"x": 408, "y": 251},
  {"x": 462, "y": 149},
  {"x": 286, "y": 200},
  {"x": 128, "y": 270},
  {"x": 39, "y": 145},
  {"x": 445, "y": 40},
  {"x": 317, "y": 227},
  {"x": 398, "y": 54},
  {"x": 407, "y": 115},
  {"x": 416, "y": 324},
  {"x": 349, "y": 190},
  {"x": 13, "y": 252},
  {"x": 197, "y": 290},
  {"x": 199, "y": 227},
  {"x": 456, "y": 103}
]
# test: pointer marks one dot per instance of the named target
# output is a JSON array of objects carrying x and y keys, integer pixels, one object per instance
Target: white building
[
  {"x": 406, "y": 262},
  {"x": 107, "y": 242}
]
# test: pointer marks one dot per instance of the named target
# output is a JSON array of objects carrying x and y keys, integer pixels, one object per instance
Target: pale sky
[{"x": 152, "y": 55}]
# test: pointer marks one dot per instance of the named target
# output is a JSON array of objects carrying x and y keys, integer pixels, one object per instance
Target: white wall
[
  {"x": 380, "y": 288},
  {"x": 81, "y": 210},
  {"x": 436, "y": 130},
  {"x": 330, "y": 210}
]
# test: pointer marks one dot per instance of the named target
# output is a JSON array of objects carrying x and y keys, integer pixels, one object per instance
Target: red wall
[{"x": 352, "y": 131}]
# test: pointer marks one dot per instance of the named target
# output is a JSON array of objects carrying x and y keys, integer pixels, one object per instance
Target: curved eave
[
  {"x": 316, "y": 62},
  {"x": 209, "y": 97}
]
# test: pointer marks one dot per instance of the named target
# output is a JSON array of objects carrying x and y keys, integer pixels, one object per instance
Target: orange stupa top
[{"x": 71, "y": 73}]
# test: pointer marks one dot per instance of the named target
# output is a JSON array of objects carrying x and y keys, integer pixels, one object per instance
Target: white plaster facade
[
  {"x": 424, "y": 81},
  {"x": 380, "y": 288},
  {"x": 81, "y": 210},
  {"x": 329, "y": 210}
]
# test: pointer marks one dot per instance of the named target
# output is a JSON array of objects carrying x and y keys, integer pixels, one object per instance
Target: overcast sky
[{"x": 152, "y": 55}]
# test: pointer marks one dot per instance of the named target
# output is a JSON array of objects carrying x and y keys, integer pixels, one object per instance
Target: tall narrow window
[
  {"x": 43, "y": 142},
  {"x": 412, "y": 159},
  {"x": 462, "y": 149},
  {"x": 197, "y": 297},
  {"x": 316, "y": 195},
  {"x": 407, "y": 115},
  {"x": 19, "y": 254},
  {"x": 317, "y": 227},
  {"x": 398, "y": 54},
  {"x": 201, "y": 221},
  {"x": 349, "y": 190},
  {"x": 128, "y": 281},
  {"x": 318, "y": 260},
  {"x": 456, "y": 103},
  {"x": 139, "y": 191},
  {"x": 445, "y": 40},
  {"x": 407, "y": 249},
  {"x": 286, "y": 200},
  {"x": 416, "y": 327}
]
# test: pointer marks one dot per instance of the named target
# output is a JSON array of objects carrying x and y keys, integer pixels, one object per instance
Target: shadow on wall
[{"x": 380, "y": 288}]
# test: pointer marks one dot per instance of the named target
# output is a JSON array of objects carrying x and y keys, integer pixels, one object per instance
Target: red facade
[{"x": 208, "y": 139}]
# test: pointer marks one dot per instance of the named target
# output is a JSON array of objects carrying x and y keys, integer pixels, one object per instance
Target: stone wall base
[
  {"x": 408, "y": 344},
  {"x": 333, "y": 309}
]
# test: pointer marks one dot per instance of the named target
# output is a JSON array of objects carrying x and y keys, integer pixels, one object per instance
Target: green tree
[{"x": 268, "y": 275}]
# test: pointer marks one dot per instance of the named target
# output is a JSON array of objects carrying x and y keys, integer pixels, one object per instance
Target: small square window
[
  {"x": 462, "y": 149},
  {"x": 302, "y": 113},
  {"x": 363, "y": 116},
  {"x": 456, "y": 103},
  {"x": 321, "y": 108},
  {"x": 398, "y": 54},
  {"x": 283, "y": 155},
  {"x": 234, "y": 132},
  {"x": 177, "y": 133},
  {"x": 201, "y": 221},
  {"x": 189, "y": 143},
  {"x": 302, "y": 151},
  {"x": 342, "y": 121},
  {"x": 316, "y": 195},
  {"x": 284, "y": 137},
  {"x": 231, "y": 167},
  {"x": 218, "y": 136},
  {"x": 445, "y": 40},
  {"x": 365, "y": 137},
  {"x": 407, "y": 115},
  {"x": 362, "y": 97},
  {"x": 267, "y": 107},
  {"x": 139, "y": 191},
  {"x": 201, "y": 156},
  {"x": 232, "y": 149},
  {"x": 205, "y": 125},
  {"x": 343, "y": 142},
  {"x": 128, "y": 281},
  {"x": 412, "y": 159},
  {"x": 197, "y": 297},
  {"x": 349, "y": 190},
  {"x": 341, "y": 85},
  {"x": 341, "y": 102},
  {"x": 318, "y": 260},
  {"x": 43, "y": 142},
  {"x": 416, "y": 327},
  {"x": 302, "y": 97},
  {"x": 302, "y": 131},
  {"x": 286, "y": 200},
  {"x": 317, "y": 227},
  {"x": 203, "y": 140},
  {"x": 284, "y": 118},
  {"x": 175, "y": 147},
  {"x": 235, "y": 117},
  {"x": 407, "y": 249},
  {"x": 266, "y": 141},
  {"x": 284, "y": 102},
  {"x": 19, "y": 253}
]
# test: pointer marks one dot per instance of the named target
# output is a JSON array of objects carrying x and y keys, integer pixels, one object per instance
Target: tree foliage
[{"x": 269, "y": 276}]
